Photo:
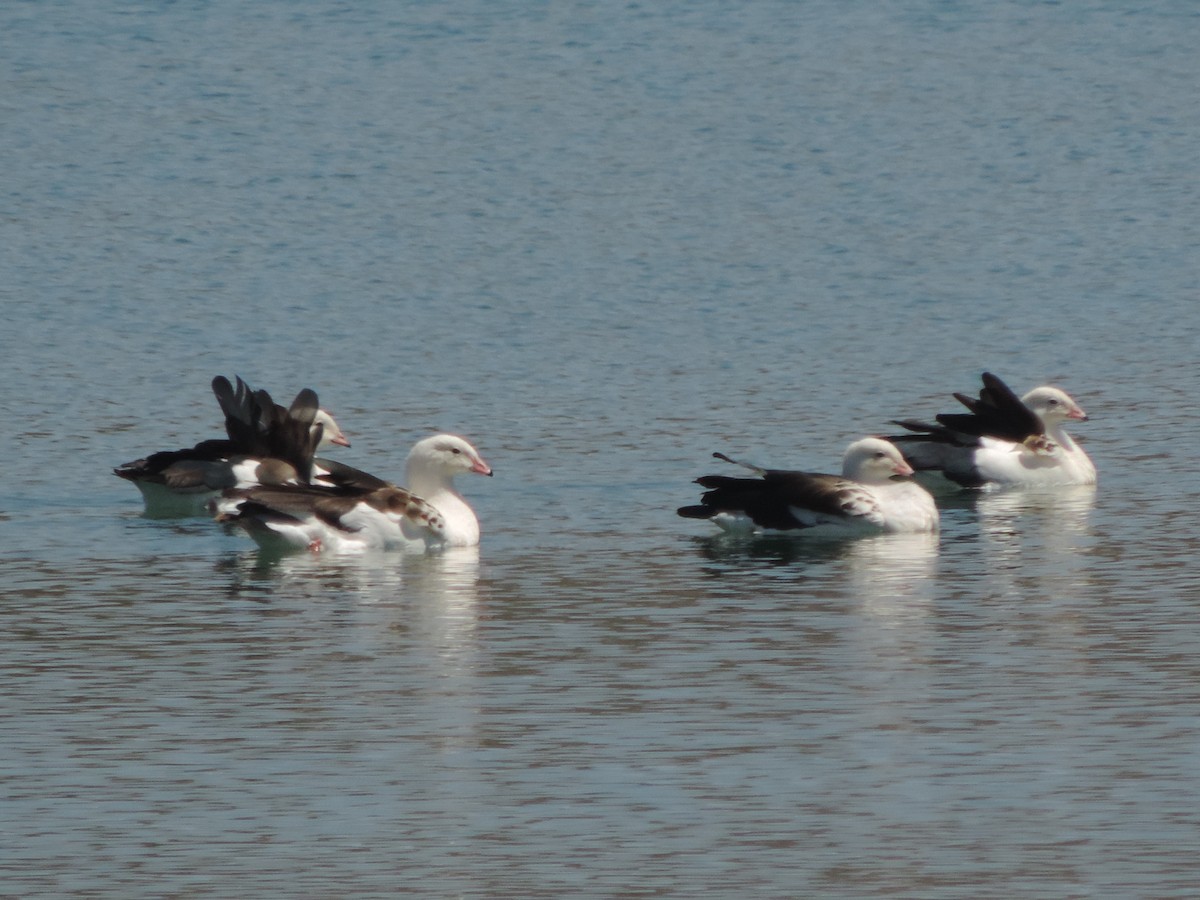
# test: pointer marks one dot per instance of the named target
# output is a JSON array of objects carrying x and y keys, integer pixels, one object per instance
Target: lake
[{"x": 602, "y": 241}]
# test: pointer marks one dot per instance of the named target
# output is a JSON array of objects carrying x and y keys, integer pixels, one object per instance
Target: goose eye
[{"x": 455, "y": 451}]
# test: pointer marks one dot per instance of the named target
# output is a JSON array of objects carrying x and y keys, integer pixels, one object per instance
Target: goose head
[
  {"x": 440, "y": 457},
  {"x": 1053, "y": 405},
  {"x": 873, "y": 460},
  {"x": 331, "y": 433}
]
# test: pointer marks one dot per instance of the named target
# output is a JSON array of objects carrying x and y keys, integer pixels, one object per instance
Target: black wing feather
[
  {"x": 247, "y": 421},
  {"x": 998, "y": 413},
  {"x": 156, "y": 463},
  {"x": 347, "y": 477},
  {"x": 261, "y": 428},
  {"x": 769, "y": 501}
]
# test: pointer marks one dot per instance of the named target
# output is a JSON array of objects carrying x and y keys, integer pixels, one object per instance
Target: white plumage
[
  {"x": 1003, "y": 441},
  {"x": 429, "y": 514},
  {"x": 870, "y": 496}
]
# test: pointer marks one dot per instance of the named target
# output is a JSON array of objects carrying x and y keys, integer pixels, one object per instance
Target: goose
[
  {"x": 1002, "y": 441},
  {"x": 866, "y": 498},
  {"x": 183, "y": 482},
  {"x": 372, "y": 514}
]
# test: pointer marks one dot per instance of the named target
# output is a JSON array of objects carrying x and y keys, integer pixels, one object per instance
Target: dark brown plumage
[
  {"x": 330, "y": 505},
  {"x": 182, "y": 470},
  {"x": 772, "y": 500}
]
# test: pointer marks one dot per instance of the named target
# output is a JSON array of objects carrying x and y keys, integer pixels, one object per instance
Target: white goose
[
  {"x": 352, "y": 518},
  {"x": 183, "y": 482},
  {"x": 1003, "y": 441},
  {"x": 866, "y": 498}
]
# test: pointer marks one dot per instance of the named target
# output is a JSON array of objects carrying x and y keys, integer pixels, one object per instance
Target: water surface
[{"x": 602, "y": 242}]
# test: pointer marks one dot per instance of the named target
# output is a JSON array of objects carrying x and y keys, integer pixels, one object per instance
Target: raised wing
[
  {"x": 260, "y": 428},
  {"x": 998, "y": 413}
]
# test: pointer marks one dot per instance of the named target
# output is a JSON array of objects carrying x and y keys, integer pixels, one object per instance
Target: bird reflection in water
[
  {"x": 450, "y": 576},
  {"x": 887, "y": 571},
  {"x": 1035, "y": 544}
]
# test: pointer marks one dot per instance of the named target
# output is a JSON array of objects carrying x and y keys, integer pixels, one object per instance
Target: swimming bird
[
  {"x": 354, "y": 517},
  {"x": 868, "y": 497},
  {"x": 1003, "y": 440},
  {"x": 255, "y": 451}
]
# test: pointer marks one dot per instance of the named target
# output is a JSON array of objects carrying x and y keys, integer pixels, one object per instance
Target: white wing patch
[
  {"x": 860, "y": 503},
  {"x": 857, "y": 506}
]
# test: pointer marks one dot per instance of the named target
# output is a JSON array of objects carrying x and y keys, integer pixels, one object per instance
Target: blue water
[{"x": 601, "y": 241}]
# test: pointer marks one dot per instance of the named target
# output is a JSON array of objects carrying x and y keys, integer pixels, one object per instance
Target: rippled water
[{"x": 602, "y": 242}]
